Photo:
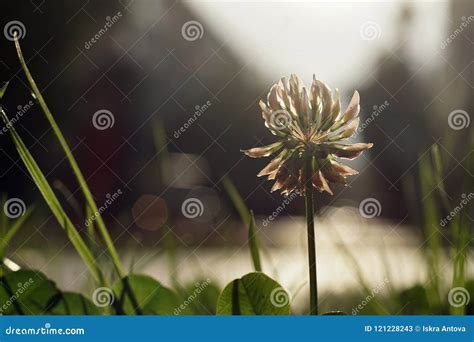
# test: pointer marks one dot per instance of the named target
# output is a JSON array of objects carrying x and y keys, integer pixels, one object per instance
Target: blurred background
[{"x": 156, "y": 99}]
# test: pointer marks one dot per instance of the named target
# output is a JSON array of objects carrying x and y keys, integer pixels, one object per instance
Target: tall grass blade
[
  {"x": 253, "y": 244},
  {"x": 161, "y": 147},
  {"x": 461, "y": 232},
  {"x": 3, "y": 89},
  {"x": 90, "y": 229},
  {"x": 431, "y": 221},
  {"x": 75, "y": 167},
  {"x": 53, "y": 202},
  {"x": 248, "y": 218},
  {"x": 68, "y": 197},
  {"x": 3, "y": 217},
  {"x": 438, "y": 176},
  {"x": 169, "y": 242},
  {"x": 11, "y": 232},
  {"x": 237, "y": 200}
]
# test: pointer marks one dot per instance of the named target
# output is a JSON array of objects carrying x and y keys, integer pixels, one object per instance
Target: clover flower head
[{"x": 309, "y": 125}]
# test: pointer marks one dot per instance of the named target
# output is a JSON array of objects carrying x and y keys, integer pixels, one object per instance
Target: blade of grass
[
  {"x": 459, "y": 259},
  {"x": 248, "y": 218},
  {"x": 430, "y": 225},
  {"x": 461, "y": 232},
  {"x": 53, "y": 203},
  {"x": 4, "y": 218},
  {"x": 75, "y": 167},
  {"x": 10, "y": 233},
  {"x": 169, "y": 245},
  {"x": 79, "y": 176},
  {"x": 159, "y": 139},
  {"x": 458, "y": 227},
  {"x": 387, "y": 268},
  {"x": 237, "y": 200},
  {"x": 253, "y": 243},
  {"x": 438, "y": 176},
  {"x": 169, "y": 242},
  {"x": 90, "y": 229},
  {"x": 3, "y": 88},
  {"x": 68, "y": 197}
]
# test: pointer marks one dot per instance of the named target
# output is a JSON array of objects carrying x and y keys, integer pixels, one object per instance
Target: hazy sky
[{"x": 340, "y": 41}]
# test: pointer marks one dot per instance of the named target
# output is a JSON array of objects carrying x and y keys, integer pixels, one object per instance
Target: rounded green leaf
[
  {"x": 141, "y": 294},
  {"x": 25, "y": 292},
  {"x": 68, "y": 303},
  {"x": 254, "y": 294}
]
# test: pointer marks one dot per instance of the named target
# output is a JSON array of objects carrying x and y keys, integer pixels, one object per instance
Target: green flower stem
[
  {"x": 72, "y": 161},
  {"x": 313, "y": 280}
]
